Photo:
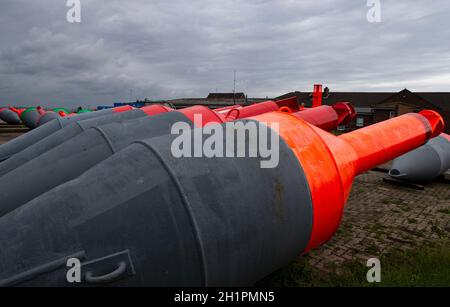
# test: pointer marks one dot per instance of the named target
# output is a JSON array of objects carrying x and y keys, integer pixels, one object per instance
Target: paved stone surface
[
  {"x": 5, "y": 137},
  {"x": 380, "y": 216},
  {"x": 8, "y": 132}
]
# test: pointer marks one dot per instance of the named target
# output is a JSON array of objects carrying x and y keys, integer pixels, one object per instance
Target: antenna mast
[{"x": 234, "y": 88}]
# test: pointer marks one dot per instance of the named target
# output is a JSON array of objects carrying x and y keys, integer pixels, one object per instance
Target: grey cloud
[{"x": 170, "y": 49}]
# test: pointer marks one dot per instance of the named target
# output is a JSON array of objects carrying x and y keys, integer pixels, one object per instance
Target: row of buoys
[
  {"x": 105, "y": 187},
  {"x": 52, "y": 163},
  {"x": 34, "y": 117}
]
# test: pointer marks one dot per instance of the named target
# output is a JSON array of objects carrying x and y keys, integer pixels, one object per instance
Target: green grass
[
  {"x": 378, "y": 227},
  {"x": 371, "y": 249},
  {"x": 445, "y": 211},
  {"x": 412, "y": 221},
  {"x": 441, "y": 233},
  {"x": 337, "y": 133},
  {"x": 345, "y": 231},
  {"x": 404, "y": 207},
  {"x": 386, "y": 201},
  {"x": 425, "y": 266}
]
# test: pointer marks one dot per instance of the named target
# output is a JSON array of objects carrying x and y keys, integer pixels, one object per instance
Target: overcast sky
[{"x": 169, "y": 49}]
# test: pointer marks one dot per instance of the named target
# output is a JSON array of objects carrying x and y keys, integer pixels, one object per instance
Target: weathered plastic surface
[
  {"x": 183, "y": 222},
  {"x": 83, "y": 111},
  {"x": 63, "y": 135},
  {"x": 340, "y": 159},
  {"x": 75, "y": 156},
  {"x": 25, "y": 140},
  {"x": 46, "y": 117},
  {"x": 328, "y": 117},
  {"x": 239, "y": 112},
  {"x": 425, "y": 163},
  {"x": 317, "y": 95},
  {"x": 154, "y": 220},
  {"x": 9, "y": 117},
  {"x": 30, "y": 117},
  {"x": 63, "y": 110},
  {"x": 252, "y": 110}
]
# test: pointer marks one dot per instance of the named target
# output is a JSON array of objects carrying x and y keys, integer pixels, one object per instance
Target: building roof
[
  {"x": 358, "y": 99},
  {"x": 368, "y": 99},
  {"x": 226, "y": 96},
  {"x": 440, "y": 99},
  {"x": 189, "y": 102}
]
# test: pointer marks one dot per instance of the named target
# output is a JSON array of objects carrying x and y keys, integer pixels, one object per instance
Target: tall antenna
[{"x": 234, "y": 88}]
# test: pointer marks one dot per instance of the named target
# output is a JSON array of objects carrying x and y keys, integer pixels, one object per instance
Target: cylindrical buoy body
[
  {"x": 62, "y": 136},
  {"x": 70, "y": 159},
  {"x": 328, "y": 117},
  {"x": 425, "y": 163},
  {"x": 239, "y": 112},
  {"x": 62, "y": 110},
  {"x": 200, "y": 235},
  {"x": 9, "y": 117},
  {"x": 180, "y": 221},
  {"x": 30, "y": 117},
  {"x": 46, "y": 117}
]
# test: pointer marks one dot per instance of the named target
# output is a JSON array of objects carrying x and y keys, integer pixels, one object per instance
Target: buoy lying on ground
[
  {"x": 9, "y": 117},
  {"x": 425, "y": 163},
  {"x": 22, "y": 142},
  {"x": 47, "y": 117},
  {"x": 73, "y": 157},
  {"x": 30, "y": 117},
  {"x": 145, "y": 218}
]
